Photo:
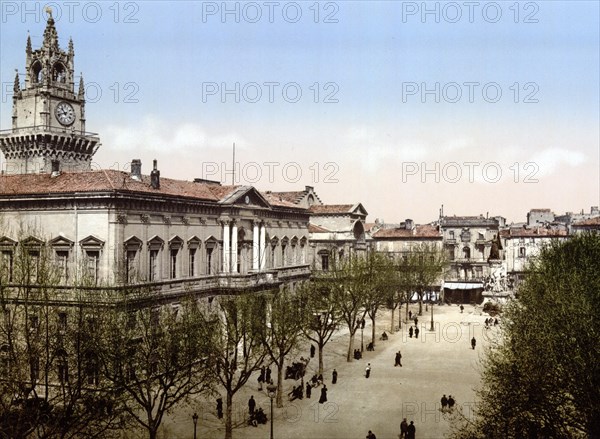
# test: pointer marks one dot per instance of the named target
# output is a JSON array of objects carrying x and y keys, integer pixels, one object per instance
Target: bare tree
[
  {"x": 155, "y": 355},
  {"x": 238, "y": 349},
  {"x": 321, "y": 317},
  {"x": 283, "y": 334}
]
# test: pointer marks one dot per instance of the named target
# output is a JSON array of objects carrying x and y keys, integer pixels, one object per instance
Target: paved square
[{"x": 438, "y": 362}]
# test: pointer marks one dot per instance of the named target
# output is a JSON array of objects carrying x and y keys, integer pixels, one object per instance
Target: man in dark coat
[
  {"x": 410, "y": 332},
  {"x": 312, "y": 351},
  {"x": 261, "y": 377},
  {"x": 411, "y": 431},
  {"x": 461, "y": 308},
  {"x": 323, "y": 397},
  {"x": 409, "y": 315},
  {"x": 371, "y": 435},
  {"x": 251, "y": 405},
  {"x": 444, "y": 402},
  {"x": 403, "y": 429},
  {"x": 368, "y": 370},
  {"x": 334, "y": 377},
  {"x": 268, "y": 375},
  {"x": 308, "y": 390},
  {"x": 397, "y": 359},
  {"x": 450, "y": 403},
  {"x": 473, "y": 342},
  {"x": 416, "y": 331}
]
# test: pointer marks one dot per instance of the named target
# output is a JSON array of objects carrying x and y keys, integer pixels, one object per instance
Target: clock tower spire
[{"x": 48, "y": 118}]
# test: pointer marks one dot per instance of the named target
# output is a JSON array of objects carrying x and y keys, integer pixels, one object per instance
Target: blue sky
[{"x": 377, "y": 140}]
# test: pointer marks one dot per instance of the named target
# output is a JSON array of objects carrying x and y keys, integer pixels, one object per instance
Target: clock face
[{"x": 65, "y": 113}]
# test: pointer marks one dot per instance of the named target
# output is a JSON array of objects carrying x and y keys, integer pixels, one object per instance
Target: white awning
[{"x": 463, "y": 285}]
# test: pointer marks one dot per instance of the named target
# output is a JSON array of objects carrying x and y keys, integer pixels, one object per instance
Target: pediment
[
  {"x": 32, "y": 241},
  {"x": 61, "y": 241},
  {"x": 5, "y": 241},
  {"x": 91, "y": 241},
  {"x": 246, "y": 196}
]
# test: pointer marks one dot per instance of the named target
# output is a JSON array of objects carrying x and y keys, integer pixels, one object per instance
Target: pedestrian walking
[
  {"x": 410, "y": 332},
  {"x": 473, "y": 342},
  {"x": 368, "y": 370},
  {"x": 411, "y": 431},
  {"x": 268, "y": 375},
  {"x": 403, "y": 429},
  {"x": 323, "y": 397},
  {"x": 251, "y": 405},
  {"x": 397, "y": 359},
  {"x": 261, "y": 377},
  {"x": 371, "y": 435},
  {"x": 462, "y": 308},
  {"x": 409, "y": 315},
  {"x": 308, "y": 390},
  {"x": 334, "y": 377},
  {"x": 416, "y": 331},
  {"x": 312, "y": 351},
  {"x": 451, "y": 403},
  {"x": 416, "y": 320},
  {"x": 444, "y": 402}
]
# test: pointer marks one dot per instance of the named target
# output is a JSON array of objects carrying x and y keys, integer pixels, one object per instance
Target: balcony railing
[{"x": 46, "y": 129}]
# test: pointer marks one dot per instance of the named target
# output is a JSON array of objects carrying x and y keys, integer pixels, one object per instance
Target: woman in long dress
[{"x": 323, "y": 394}]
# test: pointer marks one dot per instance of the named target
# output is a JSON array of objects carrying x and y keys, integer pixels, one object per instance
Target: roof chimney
[
  {"x": 408, "y": 224},
  {"x": 136, "y": 169},
  {"x": 155, "y": 177},
  {"x": 55, "y": 168}
]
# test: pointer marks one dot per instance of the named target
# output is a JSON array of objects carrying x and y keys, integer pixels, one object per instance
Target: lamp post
[
  {"x": 272, "y": 392},
  {"x": 195, "y": 419}
]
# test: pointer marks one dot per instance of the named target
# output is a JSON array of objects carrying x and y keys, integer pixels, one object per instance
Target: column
[
  {"x": 262, "y": 246},
  {"x": 234, "y": 247},
  {"x": 255, "y": 245},
  {"x": 225, "y": 246}
]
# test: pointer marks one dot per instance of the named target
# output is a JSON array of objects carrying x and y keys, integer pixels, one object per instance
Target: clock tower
[{"x": 48, "y": 118}]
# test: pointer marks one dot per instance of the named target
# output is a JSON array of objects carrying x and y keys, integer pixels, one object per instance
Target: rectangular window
[
  {"x": 34, "y": 262},
  {"x": 283, "y": 261},
  {"x": 130, "y": 264},
  {"x": 153, "y": 268},
  {"x": 192, "y": 262},
  {"x": 62, "y": 262},
  {"x": 325, "y": 262},
  {"x": 7, "y": 265},
  {"x": 62, "y": 322},
  {"x": 521, "y": 252},
  {"x": 173, "y": 265},
  {"x": 92, "y": 265},
  {"x": 209, "y": 252}
]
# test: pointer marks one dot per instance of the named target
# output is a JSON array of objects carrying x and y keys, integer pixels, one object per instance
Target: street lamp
[
  {"x": 272, "y": 392},
  {"x": 195, "y": 419}
]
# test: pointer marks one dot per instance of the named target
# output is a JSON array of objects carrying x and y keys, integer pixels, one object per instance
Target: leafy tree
[
  {"x": 238, "y": 349},
  {"x": 155, "y": 355},
  {"x": 543, "y": 378},
  {"x": 320, "y": 314},
  {"x": 347, "y": 282},
  {"x": 377, "y": 273},
  {"x": 426, "y": 263},
  {"x": 283, "y": 334}
]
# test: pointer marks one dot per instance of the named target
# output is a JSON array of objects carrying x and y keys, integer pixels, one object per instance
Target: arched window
[
  {"x": 36, "y": 73},
  {"x": 466, "y": 252},
  {"x": 59, "y": 73}
]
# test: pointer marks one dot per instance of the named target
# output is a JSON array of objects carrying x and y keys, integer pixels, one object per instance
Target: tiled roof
[
  {"x": 331, "y": 208},
  {"x": 292, "y": 197},
  {"x": 420, "y": 231},
  {"x": 459, "y": 221},
  {"x": 540, "y": 210},
  {"x": 106, "y": 180},
  {"x": 313, "y": 228},
  {"x": 275, "y": 200},
  {"x": 588, "y": 222}
]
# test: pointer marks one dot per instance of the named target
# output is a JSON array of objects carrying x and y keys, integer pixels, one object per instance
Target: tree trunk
[
  {"x": 373, "y": 330},
  {"x": 406, "y": 316},
  {"x": 279, "y": 397},
  {"x": 392, "y": 324},
  {"x": 320, "y": 344},
  {"x": 228, "y": 414},
  {"x": 420, "y": 304},
  {"x": 152, "y": 432},
  {"x": 350, "y": 348}
]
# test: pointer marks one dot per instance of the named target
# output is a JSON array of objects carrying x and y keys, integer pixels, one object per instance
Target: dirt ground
[{"x": 438, "y": 362}]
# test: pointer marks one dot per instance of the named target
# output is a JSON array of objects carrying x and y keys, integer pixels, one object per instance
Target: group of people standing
[
  {"x": 407, "y": 431},
  {"x": 447, "y": 403}
]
